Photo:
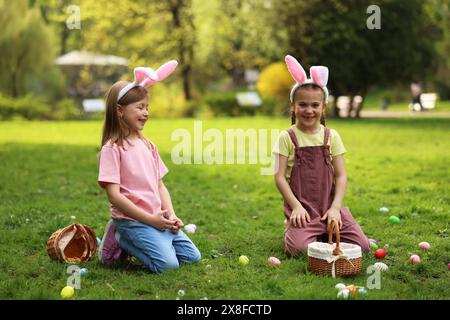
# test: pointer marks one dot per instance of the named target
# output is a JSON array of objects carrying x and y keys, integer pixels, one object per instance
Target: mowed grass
[{"x": 48, "y": 173}]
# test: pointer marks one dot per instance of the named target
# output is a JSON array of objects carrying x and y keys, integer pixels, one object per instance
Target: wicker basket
[
  {"x": 339, "y": 259},
  {"x": 72, "y": 244}
]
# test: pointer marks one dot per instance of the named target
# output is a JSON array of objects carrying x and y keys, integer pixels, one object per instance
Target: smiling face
[
  {"x": 308, "y": 106},
  {"x": 135, "y": 114}
]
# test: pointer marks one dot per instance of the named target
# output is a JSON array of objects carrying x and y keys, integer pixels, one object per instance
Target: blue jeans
[{"x": 157, "y": 250}]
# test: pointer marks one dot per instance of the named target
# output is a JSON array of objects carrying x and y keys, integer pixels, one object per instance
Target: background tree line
[{"x": 216, "y": 41}]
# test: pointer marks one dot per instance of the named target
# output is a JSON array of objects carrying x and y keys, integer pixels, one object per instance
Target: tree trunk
[
  {"x": 186, "y": 84},
  {"x": 335, "y": 108},
  {"x": 238, "y": 77},
  {"x": 14, "y": 92},
  {"x": 350, "y": 107},
  {"x": 185, "y": 51},
  {"x": 64, "y": 37}
]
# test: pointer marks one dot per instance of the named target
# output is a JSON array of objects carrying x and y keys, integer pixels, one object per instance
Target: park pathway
[{"x": 403, "y": 114}]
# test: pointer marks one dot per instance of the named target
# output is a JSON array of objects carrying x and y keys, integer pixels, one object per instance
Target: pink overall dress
[{"x": 312, "y": 182}]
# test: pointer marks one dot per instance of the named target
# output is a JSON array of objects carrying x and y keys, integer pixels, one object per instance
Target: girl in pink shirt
[{"x": 144, "y": 223}]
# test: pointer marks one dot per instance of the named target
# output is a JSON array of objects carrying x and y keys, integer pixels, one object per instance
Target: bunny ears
[
  {"x": 145, "y": 77},
  {"x": 319, "y": 76}
]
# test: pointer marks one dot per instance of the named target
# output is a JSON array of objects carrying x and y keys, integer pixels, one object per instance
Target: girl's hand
[
  {"x": 177, "y": 226},
  {"x": 161, "y": 222},
  {"x": 178, "y": 223},
  {"x": 299, "y": 217},
  {"x": 331, "y": 214}
]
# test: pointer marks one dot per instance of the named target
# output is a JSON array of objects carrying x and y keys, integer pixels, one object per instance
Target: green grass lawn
[{"x": 48, "y": 173}]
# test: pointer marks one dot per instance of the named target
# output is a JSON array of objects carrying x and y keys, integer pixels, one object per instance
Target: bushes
[
  {"x": 275, "y": 81},
  {"x": 33, "y": 107},
  {"x": 66, "y": 109},
  {"x": 223, "y": 103},
  {"x": 28, "y": 107},
  {"x": 275, "y": 84},
  {"x": 226, "y": 104}
]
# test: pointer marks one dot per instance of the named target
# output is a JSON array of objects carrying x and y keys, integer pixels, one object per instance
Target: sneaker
[{"x": 109, "y": 251}]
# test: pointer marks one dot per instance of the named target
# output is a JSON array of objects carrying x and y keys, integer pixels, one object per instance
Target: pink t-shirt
[{"x": 137, "y": 170}]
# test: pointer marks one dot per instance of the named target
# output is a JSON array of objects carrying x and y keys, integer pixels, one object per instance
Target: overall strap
[
  {"x": 326, "y": 136},
  {"x": 293, "y": 137}
]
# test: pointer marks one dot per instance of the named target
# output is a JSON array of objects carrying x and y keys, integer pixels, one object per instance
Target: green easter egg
[
  {"x": 373, "y": 246},
  {"x": 394, "y": 219}
]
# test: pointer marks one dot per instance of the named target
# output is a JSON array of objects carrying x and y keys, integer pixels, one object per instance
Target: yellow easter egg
[{"x": 67, "y": 292}]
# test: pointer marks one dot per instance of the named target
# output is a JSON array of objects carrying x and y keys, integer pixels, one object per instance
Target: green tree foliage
[
  {"x": 26, "y": 46},
  {"x": 334, "y": 33},
  {"x": 147, "y": 32},
  {"x": 243, "y": 37},
  {"x": 56, "y": 14},
  {"x": 439, "y": 12},
  {"x": 215, "y": 40}
]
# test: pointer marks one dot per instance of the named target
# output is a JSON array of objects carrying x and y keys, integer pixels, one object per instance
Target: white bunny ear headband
[
  {"x": 318, "y": 74},
  {"x": 145, "y": 77}
]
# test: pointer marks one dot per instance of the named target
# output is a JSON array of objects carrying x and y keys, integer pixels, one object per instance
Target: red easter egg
[{"x": 380, "y": 253}]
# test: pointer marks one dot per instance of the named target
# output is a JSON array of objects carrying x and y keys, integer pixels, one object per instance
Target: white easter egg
[
  {"x": 190, "y": 228},
  {"x": 340, "y": 286}
]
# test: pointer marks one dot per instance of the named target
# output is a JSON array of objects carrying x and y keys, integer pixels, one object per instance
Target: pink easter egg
[
  {"x": 414, "y": 259},
  {"x": 273, "y": 261},
  {"x": 448, "y": 266},
  {"x": 424, "y": 245}
]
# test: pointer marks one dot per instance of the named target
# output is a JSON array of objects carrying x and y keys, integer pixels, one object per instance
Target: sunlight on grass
[{"x": 49, "y": 172}]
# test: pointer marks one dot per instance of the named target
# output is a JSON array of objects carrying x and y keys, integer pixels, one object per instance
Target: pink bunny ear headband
[
  {"x": 319, "y": 76},
  {"x": 145, "y": 77}
]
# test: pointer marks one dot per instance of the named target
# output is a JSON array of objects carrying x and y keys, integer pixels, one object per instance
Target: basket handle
[{"x": 334, "y": 225}]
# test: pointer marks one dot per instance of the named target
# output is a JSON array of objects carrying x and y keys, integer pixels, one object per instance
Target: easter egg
[
  {"x": 190, "y": 228},
  {"x": 243, "y": 260},
  {"x": 83, "y": 271},
  {"x": 67, "y": 292},
  {"x": 343, "y": 294},
  {"x": 380, "y": 266},
  {"x": 424, "y": 245},
  {"x": 384, "y": 209},
  {"x": 394, "y": 219},
  {"x": 448, "y": 266},
  {"x": 352, "y": 289},
  {"x": 340, "y": 286},
  {"x": 373, "y": 241},
  {"x": 380, "y": 253},
  {"x": 414, "y": 259},
  {"x": 362, "y": 291},
  {"x": 273, "y": 261},
  {"x": 373, "y": 246}
]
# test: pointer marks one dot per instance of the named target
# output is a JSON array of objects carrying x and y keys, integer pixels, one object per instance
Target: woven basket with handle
[
  {"x": 74, "y": 243},
  {"x": 338, "y": 259}
]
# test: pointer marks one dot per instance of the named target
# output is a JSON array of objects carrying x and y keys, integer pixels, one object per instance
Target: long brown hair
[
  {"x": 312, "y": 86},
  {"x": 115, "y": 129}
]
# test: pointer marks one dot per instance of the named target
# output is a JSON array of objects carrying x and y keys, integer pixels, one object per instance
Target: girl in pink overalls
[{"x": 311, "y": 173}]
